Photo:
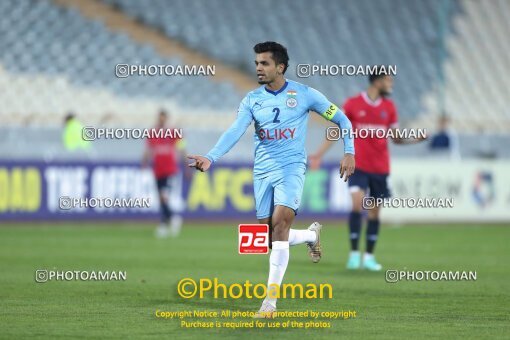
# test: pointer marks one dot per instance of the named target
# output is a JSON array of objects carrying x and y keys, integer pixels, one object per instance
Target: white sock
[
  {"x": 299, "y": 236},
  {"x": 176, "y": 224},
  {"x": 278, "y": 261}
]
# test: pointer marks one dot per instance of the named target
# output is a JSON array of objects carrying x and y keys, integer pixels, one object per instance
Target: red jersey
[
  {"x": 372, "y": 154},
  {"x": 164, "y": 156}
]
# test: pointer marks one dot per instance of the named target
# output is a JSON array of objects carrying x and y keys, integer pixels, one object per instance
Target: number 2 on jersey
[{"x": 277, "y": 111}]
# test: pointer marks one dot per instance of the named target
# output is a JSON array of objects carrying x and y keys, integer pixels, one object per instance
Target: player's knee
[
  {"x": 162, "y": 197},
  {"x": 281, "y": 227},
  {"x": 283, "y": 220},
  {"x": 373, "y": 214},
  {"x": 357, "y": 201},
  {"x": 357, "y": 206}
]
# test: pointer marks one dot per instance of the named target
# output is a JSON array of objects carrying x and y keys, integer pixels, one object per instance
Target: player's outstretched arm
[
  {"x": 395, "y": 137},
  {"x": 227, "y": 140},
  {"x": 331, "y": 112},
  {"x": 399, "y": 140},
  {"x": 347, "y": 164},
  {"x": 199, "y": 162}
]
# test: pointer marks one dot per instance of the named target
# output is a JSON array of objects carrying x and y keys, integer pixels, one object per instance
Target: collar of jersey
[
  {"x": 369, "y": 101},
  {"x": 279, "y": 91}
]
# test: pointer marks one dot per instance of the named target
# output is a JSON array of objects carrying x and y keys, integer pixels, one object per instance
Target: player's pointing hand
[
  {"x": 200, "y": 163},
  {"x": 347, "y": 166}
]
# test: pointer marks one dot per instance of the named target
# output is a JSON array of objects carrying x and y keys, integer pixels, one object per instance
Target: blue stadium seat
[{"x": 39, "y": 37}]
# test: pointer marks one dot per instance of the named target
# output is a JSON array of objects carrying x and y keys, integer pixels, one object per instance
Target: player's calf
[{"x": 279, "y": 258}]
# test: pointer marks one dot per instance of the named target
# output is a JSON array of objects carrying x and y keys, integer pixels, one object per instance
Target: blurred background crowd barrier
[
  {"x": 32, "y": 191},
  {"x": 59, "y": 57}
]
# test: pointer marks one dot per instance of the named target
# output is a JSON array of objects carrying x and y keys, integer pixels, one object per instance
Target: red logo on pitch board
[{"x": 253, "y": 239}]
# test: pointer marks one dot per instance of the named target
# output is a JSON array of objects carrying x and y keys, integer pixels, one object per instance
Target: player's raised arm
[
  {"x": 331, "y": 112},
  {"x": 227, "y": 140},
  {"x": 399, "y": 140},
  {"x": 394, "y": 126}
]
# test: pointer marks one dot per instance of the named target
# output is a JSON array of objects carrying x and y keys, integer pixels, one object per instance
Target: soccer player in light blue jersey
[{"x": 280, "y": 110}]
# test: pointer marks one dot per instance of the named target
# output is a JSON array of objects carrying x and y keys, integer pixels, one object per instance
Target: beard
[
  {"x": 384, "y": 93},
  {"x": 265, "y": 80}
]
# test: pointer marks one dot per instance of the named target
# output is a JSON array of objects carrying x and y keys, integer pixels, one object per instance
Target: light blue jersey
[{"x": 281, "y": 120}]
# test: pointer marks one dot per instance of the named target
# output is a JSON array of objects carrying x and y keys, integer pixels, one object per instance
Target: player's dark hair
[
  {"x": 378, "y": 73},
  {"x": 69, "y": 116},
  {"x": 278, "y": 51}
]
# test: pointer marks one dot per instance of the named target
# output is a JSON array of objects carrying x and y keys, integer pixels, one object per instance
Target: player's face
[
  {"x": 162, "y": 120},
  {"x": 443, "y": 123},
  {"x": 386, "y": 86},
  {"x": 266, "y": 68}
]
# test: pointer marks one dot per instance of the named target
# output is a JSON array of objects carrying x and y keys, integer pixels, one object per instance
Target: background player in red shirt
[
  {"x": 165, "y": 154},
  {"x": 368, "y": 110}
]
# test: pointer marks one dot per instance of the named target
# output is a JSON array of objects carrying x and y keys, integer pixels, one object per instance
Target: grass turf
[{"x": 74, "y": 309}]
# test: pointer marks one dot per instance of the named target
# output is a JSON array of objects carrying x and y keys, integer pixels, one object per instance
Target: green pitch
[{"x": 127, "y": 309}]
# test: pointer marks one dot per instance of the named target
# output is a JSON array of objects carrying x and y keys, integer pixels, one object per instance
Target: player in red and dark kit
[
  {"x": 166, "y": 153},
  {"x": 370, "y": 110}
]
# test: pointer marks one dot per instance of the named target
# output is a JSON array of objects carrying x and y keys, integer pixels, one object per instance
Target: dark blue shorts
[
  {"x": 374, "y": 185},
  {"x": 164, "y": 183}
]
